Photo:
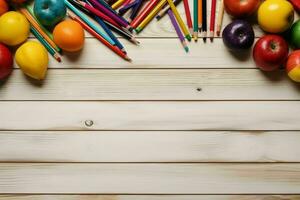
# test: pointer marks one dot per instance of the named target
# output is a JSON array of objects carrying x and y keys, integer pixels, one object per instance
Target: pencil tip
[
  {"x": 157, "y": 17},
  {"x": 186, "y": 49},
  {"x": 188, "y": 37},
  {"x": 127, "y": 58},
  {"x": 218, "y": 33}
]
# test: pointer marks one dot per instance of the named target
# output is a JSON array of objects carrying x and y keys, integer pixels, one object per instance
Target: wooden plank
[
  {"x": 156, "y": 53},
  {"x": 153, "y": 146},
  {"x": 192, "y": 84},
  {"x": 149, "y": 178},
  {"x": 149, "y": 197},
  {"x": 215, "y": 115}
]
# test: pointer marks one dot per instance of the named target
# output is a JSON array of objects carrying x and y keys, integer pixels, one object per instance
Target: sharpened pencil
[
  {"x": 99, "y": 37},
  {"x": 196, "y": 28},
  {"x": 220, "y": 17},
  {"x": 177, "y": 29},
  {"x": 52, "y": 51},
  {"x": 204, "y": 19},
  {"x": 212, "y": 19},
  {"x": 188, "y": 15}
]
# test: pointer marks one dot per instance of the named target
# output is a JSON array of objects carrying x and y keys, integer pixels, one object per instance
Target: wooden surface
[{"x": 206, "y": 125}]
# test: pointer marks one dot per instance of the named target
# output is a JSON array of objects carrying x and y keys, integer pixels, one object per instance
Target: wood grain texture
[
  {"x": 149, "y": 197},
  {"x": 150, "y": 178},
  {"x": 247, "y": 115},
  {"x": 193, "y": 84},
  {"x": 156, "y": 53},
  {"x": 152, "y": 146}
]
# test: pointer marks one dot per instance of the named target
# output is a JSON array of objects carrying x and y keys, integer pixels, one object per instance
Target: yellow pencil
[
  {"x": 180, "y": 21},
  {"x": 151, "y": 15},
  {"x": 117, "y": 4}
]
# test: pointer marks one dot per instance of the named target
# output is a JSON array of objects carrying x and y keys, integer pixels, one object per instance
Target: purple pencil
[
  {"x": 177, "y": 29},
  {"x": 110, "y": 14}
]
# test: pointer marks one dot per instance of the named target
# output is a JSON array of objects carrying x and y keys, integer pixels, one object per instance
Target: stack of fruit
[
  {"x": 275, "y": 17},
  {"x": 32, "y": 56}
]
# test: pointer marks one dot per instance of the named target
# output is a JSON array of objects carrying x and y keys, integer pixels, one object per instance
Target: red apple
[
  {"x": 270, "y": 52},
  {"x": 241, "y": 8},
  {"x": 293, "y": 66},
  {"x": 6, "y": 62},
  {"x": 296, "y": 4}
]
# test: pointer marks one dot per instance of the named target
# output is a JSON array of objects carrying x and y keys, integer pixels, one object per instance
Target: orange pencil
[
  {"x": 35, "y": 24},
  {"x": 200, "y": 15},
  {"x": 96, "y": 35}
]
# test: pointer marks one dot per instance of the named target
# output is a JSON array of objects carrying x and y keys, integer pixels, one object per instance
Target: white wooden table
[{"x": 206, "y": 125}]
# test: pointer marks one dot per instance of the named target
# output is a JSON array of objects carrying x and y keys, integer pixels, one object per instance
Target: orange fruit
[
  {"x": 3, "y": 7},
  {"x": 69, "y": 35}
]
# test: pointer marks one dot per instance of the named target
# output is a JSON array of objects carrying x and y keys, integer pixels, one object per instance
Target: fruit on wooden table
[
  {"x": 275, "y": 16},
  {"x": 69, "y": 35},
  {"x": 270, "y": 52},
  {"x": 293, "y": 66},
  {"x": 296, "y": 4},
  {"x": 49, "y": 12},
  {"x": 241, "y": 8},
  {"x": 238, "y": 35},
  {"x": 3, "y": 7},
  {"x": 295, "y": 35},
  {"x": 32, "y": 58},
  {"x": 14, "y": 28},
  {"x": 6, "y": 62}
]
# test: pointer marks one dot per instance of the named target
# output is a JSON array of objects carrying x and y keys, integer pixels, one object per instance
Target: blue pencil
[
  {"x": 89, "y": 22},
  {"x": 108, "y": 31}
]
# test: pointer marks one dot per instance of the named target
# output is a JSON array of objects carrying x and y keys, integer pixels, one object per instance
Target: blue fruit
[{"x": 49, "y": 12}]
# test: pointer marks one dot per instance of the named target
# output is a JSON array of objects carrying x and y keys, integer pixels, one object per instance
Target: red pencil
[
  {"x": 148, "y": 8},
  {"x": 188, "y": 15},
  {"x": 96, "y": 35},
  {"x": 212, "y": 19}
]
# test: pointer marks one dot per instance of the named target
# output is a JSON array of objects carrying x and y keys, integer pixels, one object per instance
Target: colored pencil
[
  {"x": 99, "y": 37},
  {"x": 135, "y": 10},
  {"x": 204, "y": 20},
  {"x": 144, "y": 13},
  {"x": 199, "y": 15},
  {"x": 196, "y": 28},
  {"x": 220, "y": 17},
  {"x": 212, "y": 19},
  {"x": 180, "y": 21},
  {"x": 84, "y": 18},
  {"x": 106, "y": 5},
  {"x": 165, "y": 9},
  {"x": 188, "y": 15},
  {"x": 178, "y": 31},
  {"x": 125, "y": 34},
  {"x": 45, "y": 44},
  {"x": 34, "y": 23},
  {"x": 127, "y": 7},
  {"x": 111, "y": 35},
  {"x": 113, "y": 15},
  {"x": 117, "y": 4}
]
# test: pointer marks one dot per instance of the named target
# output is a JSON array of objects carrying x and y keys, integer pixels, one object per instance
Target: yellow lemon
[
  {"x": 275, "y": 16},
  {"x": 32, "y": 58},
  {"x": 14, "y": 28}
]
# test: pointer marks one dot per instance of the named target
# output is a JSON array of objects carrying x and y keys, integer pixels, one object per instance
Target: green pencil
[
  {"x": 195, "y": 20},
  {"x": 45, "y": 43}
]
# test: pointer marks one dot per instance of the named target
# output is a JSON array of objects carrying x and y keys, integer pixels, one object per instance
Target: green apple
[{"x": 295, "y": 35}]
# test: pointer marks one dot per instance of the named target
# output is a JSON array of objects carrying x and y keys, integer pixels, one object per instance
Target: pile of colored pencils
[{"x": 102, "y": 18}]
